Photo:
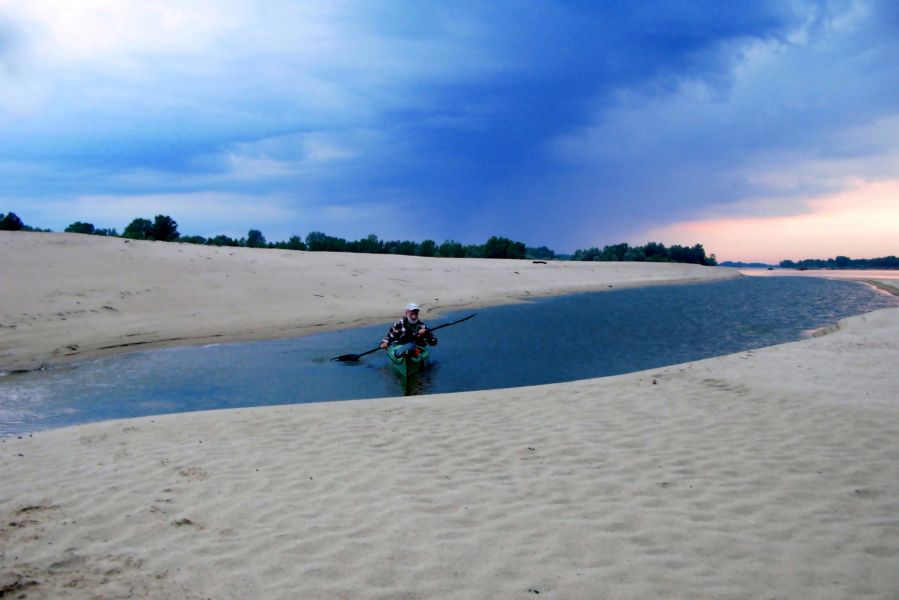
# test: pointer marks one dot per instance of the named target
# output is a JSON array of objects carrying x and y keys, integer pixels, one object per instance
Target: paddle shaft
[
  {"x": 358, "y": 356},
  {"x": 448, "y": 324},
  {"x": 355, "y": 357}
]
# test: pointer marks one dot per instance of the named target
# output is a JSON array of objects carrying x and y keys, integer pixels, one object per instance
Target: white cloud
[
  {"x": 107, "y": 29},
  {"x": 865, "y": 152},
  {"x": 321, "y": 147},
  {"x": 285, "y": 58},
  {"x": 301, "y": 156},
  {"x": 249, "y": 168}
]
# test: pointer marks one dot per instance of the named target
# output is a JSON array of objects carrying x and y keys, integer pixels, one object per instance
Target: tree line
[
  {"x": 651, "y": 252},
  {"x": 12, "y": 222},
  {"x": 843, "y": 262},
  {"x": 165, "y": 228}
]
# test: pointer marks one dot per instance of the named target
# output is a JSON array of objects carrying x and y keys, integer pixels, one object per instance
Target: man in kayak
[{"x": 409, "y": 332}]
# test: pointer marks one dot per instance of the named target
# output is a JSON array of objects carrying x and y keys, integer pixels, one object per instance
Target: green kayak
[{"x": 410, "y": 363}]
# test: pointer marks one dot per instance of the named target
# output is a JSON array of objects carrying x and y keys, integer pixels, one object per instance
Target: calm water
[{"x": 545, "y": 341}]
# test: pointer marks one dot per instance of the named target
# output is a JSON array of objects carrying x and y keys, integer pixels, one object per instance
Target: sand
[
  {"x": 765, "y": 474},
  {"x": 883, "y": 279}
]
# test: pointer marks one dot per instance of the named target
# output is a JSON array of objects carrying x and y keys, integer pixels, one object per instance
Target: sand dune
[{"x": 765, "y": 474}]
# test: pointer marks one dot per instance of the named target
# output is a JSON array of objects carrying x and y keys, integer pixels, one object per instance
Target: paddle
[{"x": 356, "y": 357}]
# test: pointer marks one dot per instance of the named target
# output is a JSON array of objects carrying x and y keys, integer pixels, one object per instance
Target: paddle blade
[{"x": 347, "y": 358}]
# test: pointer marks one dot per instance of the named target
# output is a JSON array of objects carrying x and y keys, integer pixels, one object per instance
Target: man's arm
[
  {"x": 425, "y": 334},
  {"x": 392, "y": 334}
]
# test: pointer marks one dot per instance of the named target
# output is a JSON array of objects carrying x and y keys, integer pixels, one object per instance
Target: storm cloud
[{"x": 566, "y": 123}]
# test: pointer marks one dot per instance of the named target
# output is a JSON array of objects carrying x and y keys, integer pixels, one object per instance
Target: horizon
[
  {"x": 764, "y": 132},
  {"x": 183, "y": 237}
]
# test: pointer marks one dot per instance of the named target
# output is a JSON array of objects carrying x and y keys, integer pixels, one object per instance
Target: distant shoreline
[
  {"x": 886, "y": 287},
  {"x": 886, "y": 280}
]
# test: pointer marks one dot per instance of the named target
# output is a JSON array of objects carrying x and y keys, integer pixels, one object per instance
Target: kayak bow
[{"x": 408, "y": 363}]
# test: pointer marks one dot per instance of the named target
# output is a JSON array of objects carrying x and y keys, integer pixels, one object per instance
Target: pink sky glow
[{"x": 859, "y": 222}]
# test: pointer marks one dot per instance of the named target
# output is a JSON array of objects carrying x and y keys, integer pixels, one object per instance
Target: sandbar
[{"x": 771, "y": 473}]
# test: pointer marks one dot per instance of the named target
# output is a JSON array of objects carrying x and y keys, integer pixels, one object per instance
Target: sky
[{"x": 762, "y": 130}]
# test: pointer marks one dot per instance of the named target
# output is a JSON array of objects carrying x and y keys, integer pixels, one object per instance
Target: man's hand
[
  {"x": 422, "y": 331},
  {"x": 383, "y": 345}
]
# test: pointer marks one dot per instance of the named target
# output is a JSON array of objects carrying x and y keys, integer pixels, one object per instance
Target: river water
[{"x": 543, "y": 341}]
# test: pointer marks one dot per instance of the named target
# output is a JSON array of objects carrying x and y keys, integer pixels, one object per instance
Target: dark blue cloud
[{"x": 566, "y": 123}]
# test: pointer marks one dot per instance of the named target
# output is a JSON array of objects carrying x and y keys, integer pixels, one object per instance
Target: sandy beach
[{"x": 772, "y": 473}]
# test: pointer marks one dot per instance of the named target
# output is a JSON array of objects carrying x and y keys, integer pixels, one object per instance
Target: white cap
[{"x": 412, "y": 306}]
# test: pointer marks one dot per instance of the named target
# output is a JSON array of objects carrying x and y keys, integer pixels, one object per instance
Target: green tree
[
  {"x": 404, "y": 247},
  {"x": 317, "y": 241},
  {"x": 693, "y": 254},
  {"x": 427, "y": 248},
  {"x": 138, "y": 229},
  {"x": 656, "y": 252},
  {"x": 500, "y": 247},
  {"x": 223, "y": 240},
  {"x": 255, "y": 239},
  {"x": 473, "y": 251},
  {"x": 680, "y": 254},
  {"x": 635, "y": 254},
  {"x": 11, "y": 222},
  {"x": 163, "y": 229},
  {"x": 541, "y": 253},
  {"x": 451, "y": 249},
  {"x": 590, "y": 254},
  {"x": 193, "y": 239},
  {"x": 369, "y": 245},
  {"x": 79, "y": 227},
  {"x": 615, "y": 252},
  {"x": 295, "y": 243}
]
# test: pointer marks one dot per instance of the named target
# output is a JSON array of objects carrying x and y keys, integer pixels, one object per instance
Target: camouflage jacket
[{"x": 404, "y": 332}]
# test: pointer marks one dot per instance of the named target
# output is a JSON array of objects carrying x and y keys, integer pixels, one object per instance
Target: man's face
[{"x": 412, "y": 315}]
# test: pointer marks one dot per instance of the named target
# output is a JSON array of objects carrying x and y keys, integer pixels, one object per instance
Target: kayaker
[{"x": 409, "y": 332}]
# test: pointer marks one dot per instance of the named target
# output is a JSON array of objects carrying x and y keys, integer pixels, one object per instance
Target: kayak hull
[{"x": 409, "y": 363}]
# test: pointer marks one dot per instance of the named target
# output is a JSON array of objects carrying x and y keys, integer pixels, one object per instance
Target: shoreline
[
  {"x": 884, "y": 279},
  {"x": 891, "y": 288},
  {"x": 305, "y": 330},
  {"x": 132, "y": 348},
  {"x": 829, "y": 327},
  {"x": 827, "y": 330},
  {"x": 83, "y": 297}
]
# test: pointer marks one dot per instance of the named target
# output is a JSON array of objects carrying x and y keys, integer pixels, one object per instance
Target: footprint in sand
[{"x": 193, "y": 473}]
